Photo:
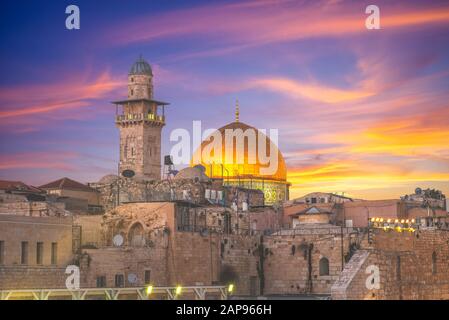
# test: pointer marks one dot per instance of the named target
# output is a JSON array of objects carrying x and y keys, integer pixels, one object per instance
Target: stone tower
[{"x": 140, "y": 119}]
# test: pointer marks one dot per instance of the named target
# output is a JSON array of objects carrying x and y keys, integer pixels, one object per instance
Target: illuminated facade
[{"x": 249, "y": 173}]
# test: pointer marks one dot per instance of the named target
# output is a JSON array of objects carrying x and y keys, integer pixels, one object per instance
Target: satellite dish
[
  {"x": 132, "y": 278},
  {"x": 128, "y": 173},
  {"x": 117, "y": 240}
]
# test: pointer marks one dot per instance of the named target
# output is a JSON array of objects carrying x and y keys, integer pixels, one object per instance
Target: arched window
[
  {"x": 136, "y": 235},
  {"x": 434, "y": 262},
  {"x": 324, "y": 267}
]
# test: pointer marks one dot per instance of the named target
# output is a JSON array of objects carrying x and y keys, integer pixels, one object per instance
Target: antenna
[{"x": 237, "y": 110}]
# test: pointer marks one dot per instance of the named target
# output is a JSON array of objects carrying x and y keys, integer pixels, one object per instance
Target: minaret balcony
[{"x": 137, "y": 117}]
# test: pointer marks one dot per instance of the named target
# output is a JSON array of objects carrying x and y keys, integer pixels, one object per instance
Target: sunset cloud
[
  {"x": 41, "y": 99},
  {"x": 317, "y": 92},
  {"x": 359, "y": 111},
  {"x": 254, "y": 24},
  {"x": 37, "y": 160}
]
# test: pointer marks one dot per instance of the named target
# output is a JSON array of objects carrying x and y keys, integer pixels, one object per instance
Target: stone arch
[
  {"x": 324, "y": 266},
  {"x": 136, "y": 235}
]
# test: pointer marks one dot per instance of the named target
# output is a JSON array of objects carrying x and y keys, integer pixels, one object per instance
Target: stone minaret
[{"x": 140, "y": 120}]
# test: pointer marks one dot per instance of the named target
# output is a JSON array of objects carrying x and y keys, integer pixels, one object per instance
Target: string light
[{"x": 387, "y": 224}]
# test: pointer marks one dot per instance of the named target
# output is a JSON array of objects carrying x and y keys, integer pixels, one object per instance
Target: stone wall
[
  {"x": 139, "y": 190},
  {"x": 175, "y": 254},
  {"x": 130, "y": 262},
  {"x": 265, "y": 219},
  {"x": 292, "y": 259},
  {"x": 16, "y": 229},
  {"x": 24, "y": 277},
  {"x": 90, "y": 230},
  {"x": 19, "y": 205},
  {"x": 411, "y": 266},
  {"x": 240, "y": 255}
]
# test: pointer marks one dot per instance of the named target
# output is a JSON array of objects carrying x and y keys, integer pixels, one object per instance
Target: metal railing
[
  {"x": 140, "y": 117},
  {"x": 137, "y": 293}
]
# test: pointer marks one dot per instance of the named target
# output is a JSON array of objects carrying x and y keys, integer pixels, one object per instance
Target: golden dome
[{"x": 251, "y": 167}]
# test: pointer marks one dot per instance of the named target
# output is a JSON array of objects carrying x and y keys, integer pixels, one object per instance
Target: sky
[{"x": 360, "y": 112}]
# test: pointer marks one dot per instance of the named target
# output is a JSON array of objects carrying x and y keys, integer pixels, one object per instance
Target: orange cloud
[
  {"x": 37, "y": 160},
  {"x": 43, "y": 99},
  {"x": 426, "y": 133},
  {"x": 399, "y": 154},
  {"x": 317, "y": 92}
]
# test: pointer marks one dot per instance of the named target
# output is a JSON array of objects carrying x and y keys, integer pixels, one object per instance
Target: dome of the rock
[{"x": 248, "y": 171}]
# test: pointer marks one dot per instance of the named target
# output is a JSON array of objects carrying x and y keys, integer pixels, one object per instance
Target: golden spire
[{"x": 237, "y": 110}]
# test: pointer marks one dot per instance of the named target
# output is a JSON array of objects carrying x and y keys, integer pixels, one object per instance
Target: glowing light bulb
[
  {"x": 149, "y": 290},
  {"x": 178, "y": 290}
]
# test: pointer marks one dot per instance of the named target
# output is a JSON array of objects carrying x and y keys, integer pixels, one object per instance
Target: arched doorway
[
  {"x": 136, "y": 235},
  {"x": 324, "y": 266}
]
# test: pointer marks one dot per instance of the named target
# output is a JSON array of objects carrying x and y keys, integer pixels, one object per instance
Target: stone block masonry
[{"x": 412, "y": 266}]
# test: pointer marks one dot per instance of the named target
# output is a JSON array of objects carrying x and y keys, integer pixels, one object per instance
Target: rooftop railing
[
  {"x": 131, "y": 117},
  {"x": 133, "y": 293}
]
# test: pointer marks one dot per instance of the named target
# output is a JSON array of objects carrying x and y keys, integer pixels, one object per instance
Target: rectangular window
[
  {"x": 54, "y": 253},
  {"x": 39, "y": 253},
  {"x": 24, "y": 253},
  {"x": 101, "y": 282},
  {"x": 147, "y": 276},
  {"x": 119, "y": 280},
  {"x": 2, "y": 252}
]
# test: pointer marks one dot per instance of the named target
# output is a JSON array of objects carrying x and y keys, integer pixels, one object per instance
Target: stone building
[
  {"x": 321, "y": 197},
  {"x": 357, "y": 213},
  {"x": 76, "y": 196},
  {"x": 17, "y": 198},
  {"x": 172, "y": 243},
  {"x": 140, "y": 122},
  {"x": 34, "y": 251},
  {"x": 308, "y": 259},
  {"x": 429, "y": 198},
  {"x": 409, "y": 265}
]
